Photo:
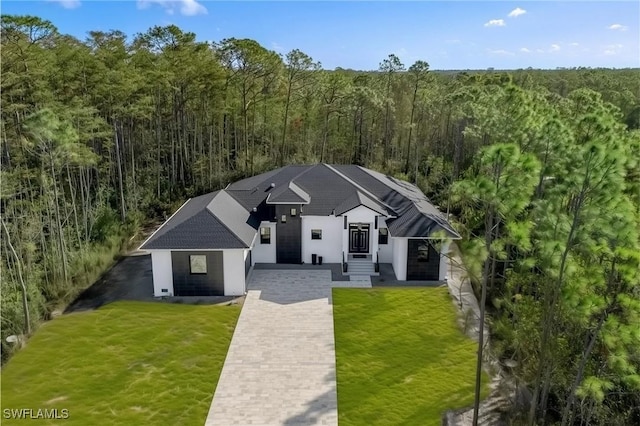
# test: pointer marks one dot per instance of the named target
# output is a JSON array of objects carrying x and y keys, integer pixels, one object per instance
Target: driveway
[
  {"x": 130, "y": 279},
  {"x": 280, "y": 368}
]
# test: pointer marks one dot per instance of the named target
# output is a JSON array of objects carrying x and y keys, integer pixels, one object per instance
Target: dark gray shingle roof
[
  {"x": 211, "y": 221},
  {"x": 225, "y": 219},
  {"x": 291, "y": 194},
  {"x": 359, "y": 199},
  {"x": 416, "y": 216}
]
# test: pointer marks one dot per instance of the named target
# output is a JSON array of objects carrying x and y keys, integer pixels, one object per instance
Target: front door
[{"x": 358, "y": 238}]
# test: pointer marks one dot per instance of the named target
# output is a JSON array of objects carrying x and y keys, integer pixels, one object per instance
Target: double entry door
[{"x": 358, "y": 238}]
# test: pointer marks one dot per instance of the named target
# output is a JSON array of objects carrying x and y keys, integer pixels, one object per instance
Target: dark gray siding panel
[
  {"x": 417, "y": 270},
  {"x": 288, "y": 235},
  {"x": 187, "y": 284},
  {"x": 247, "y": 264}
]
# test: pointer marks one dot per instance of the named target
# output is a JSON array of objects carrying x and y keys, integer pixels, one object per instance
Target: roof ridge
[{"x": 206, "y": 208}]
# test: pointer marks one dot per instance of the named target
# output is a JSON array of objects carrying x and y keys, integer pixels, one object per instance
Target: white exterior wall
[
  {"x": 400, "y": 250},
  {"x": 385, "y": 251},
  {"x": 444, "y": 262},
  {"x": 361, "y": 214},
  {"x": 162, "y": 273},
  {"x": 330, "y": 246},
  {"x": 264, "y": 253},
  {"x": 233, "y": 265}
]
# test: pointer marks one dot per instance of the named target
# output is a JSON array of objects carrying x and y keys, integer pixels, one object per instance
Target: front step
[{"x": 361, "y": 268}]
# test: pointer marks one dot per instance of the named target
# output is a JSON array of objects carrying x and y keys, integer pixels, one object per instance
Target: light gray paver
[
  {"x": 280, "y": 368},
  {"x": 358, "y": 281}
]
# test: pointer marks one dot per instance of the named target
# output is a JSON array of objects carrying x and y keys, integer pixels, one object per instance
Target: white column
[
  {"x": 444, "y": 261},
  {"x": 400, "y": 251},
  {"x": 233, "y": 266},
  {"x": 162, "y": 273}
]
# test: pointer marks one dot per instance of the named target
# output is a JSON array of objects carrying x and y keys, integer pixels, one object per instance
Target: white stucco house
[{"x": 346, "y": 214}]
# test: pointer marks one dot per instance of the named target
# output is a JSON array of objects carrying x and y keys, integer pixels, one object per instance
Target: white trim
[
  {"x": 366, "y": 207},
  {"x": 162, "y": 226},
  {"x": 284, "y": 202}
]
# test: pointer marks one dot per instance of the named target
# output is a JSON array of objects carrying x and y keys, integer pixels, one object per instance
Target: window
[
  {"x": 265, "y": 235},
  {"x": 383, "y": 236},
  {"x": 283, "y": 219},
  {"x": 316, "y": 234},
  {"x": 198, "y": 263},
  {"x": 423, "y": 252},
  {"x": 293, "y": 212}
]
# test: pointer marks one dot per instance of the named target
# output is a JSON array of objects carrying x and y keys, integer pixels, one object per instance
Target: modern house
[{"x": 345, "y": 214}]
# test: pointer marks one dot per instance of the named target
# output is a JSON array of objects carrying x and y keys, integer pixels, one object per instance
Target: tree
[
  {"x": 418, "y": 74},
  {"x": 499, "y": 193},
  {"x": 389, "y": 67},
  {"x": 299, "y": 69}
]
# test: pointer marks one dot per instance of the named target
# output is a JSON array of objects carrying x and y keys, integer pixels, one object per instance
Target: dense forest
[{"x": 539, "y": 169}]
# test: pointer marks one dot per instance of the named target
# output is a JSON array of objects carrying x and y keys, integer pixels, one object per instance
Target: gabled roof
[
  {"x": 416, "y": 216},
  {"x": 359, "y": 199},
  {"x": 291, "y": 194},
  {"x": 229, "y": 218},
  {"x": 210, "y": 221}
]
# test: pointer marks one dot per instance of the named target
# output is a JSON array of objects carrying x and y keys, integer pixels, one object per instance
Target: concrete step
[
  {"x": 361, "y": 265},
  {"x": 360, "y": 268}
]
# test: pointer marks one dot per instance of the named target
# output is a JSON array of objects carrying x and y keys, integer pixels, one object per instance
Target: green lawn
[
  {"x": 130, "y": 363},
  {"x": 401, "y": 359}
]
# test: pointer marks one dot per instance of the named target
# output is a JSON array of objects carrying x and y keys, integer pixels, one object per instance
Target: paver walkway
[{"x": 280, "y": 368}]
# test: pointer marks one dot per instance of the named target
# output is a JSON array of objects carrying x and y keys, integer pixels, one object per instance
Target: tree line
[{"x": 99, "y": 136}]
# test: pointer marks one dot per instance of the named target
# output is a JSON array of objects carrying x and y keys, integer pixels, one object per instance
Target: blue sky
[{"x": 358, "y": 34}]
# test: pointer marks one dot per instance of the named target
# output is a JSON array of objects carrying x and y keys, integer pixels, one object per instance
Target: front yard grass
[
  {"x": 401, "y": 358},
  {"x": 130, "y": 363}
]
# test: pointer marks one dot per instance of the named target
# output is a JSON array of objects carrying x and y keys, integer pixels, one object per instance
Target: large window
[
  {"x": 316, "y": 234},
  {"x": 383, "y": 236},
  {"x": 265, "y": 235},
  {"x": 198, "y": 263},
  {"x": 423, "y": 252}
]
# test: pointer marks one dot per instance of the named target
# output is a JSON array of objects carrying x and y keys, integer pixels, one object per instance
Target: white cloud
[
  {"x": 500, "y": 52},
  {"x": 554, "y": 48},
  {"x": 186, "y": 7},
  {"x": 618, "y": 27},
  {"x": 495, "y": 23},
  {"x": 275, "y": 46},
  {"x": 516, "y": 12},
  {"x": 612, "y": 49},
  {"x": 67, "y": 4},
  {"x": 574, "y": 44},
  {"x": 525, "y": 50}
]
